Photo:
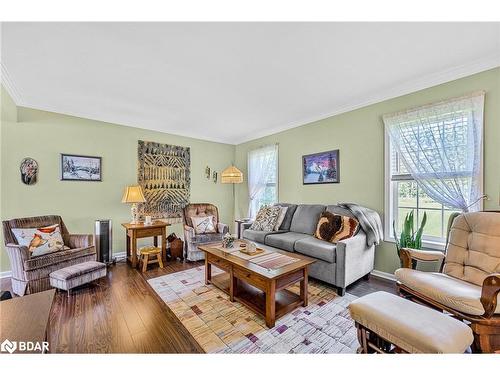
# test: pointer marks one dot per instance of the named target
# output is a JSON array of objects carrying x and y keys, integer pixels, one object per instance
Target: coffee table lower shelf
[{"x": 255, "y": 299}]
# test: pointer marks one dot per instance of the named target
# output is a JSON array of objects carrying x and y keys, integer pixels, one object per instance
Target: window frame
[
  {"x": 391, "y": 201},
  {"x": 274, "y": 184}
]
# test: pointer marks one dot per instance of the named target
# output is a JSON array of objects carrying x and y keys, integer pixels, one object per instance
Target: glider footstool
[
  {"x": 387, "y": 323},
  {"x": 73, "y": 276}
]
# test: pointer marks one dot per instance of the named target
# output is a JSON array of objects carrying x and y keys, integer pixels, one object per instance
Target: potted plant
[{"x": 409, "y": 238}]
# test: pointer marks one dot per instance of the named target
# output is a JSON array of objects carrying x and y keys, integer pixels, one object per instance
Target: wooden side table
[{"x": 136, "y": 231}]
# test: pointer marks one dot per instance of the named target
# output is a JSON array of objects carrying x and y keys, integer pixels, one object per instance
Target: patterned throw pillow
[
  {"x": 266, "y": 218},
  {"x": 40, "y": 241},
  {"x": 203, "y": 224},
  {"x": 281, "y": 217},
  {"x": 334, "y": 228}
]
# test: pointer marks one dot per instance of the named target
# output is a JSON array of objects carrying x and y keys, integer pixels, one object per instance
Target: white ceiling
[{"x": 232, "y": 82}]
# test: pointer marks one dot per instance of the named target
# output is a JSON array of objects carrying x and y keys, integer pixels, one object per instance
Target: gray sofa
[{"x": 338, "y": 264}]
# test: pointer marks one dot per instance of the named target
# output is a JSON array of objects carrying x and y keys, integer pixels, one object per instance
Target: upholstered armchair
[
  {"x": 31, "y": 274},
  {"x": 193, "y": 240},
  {"x": 468, "y": 283}
]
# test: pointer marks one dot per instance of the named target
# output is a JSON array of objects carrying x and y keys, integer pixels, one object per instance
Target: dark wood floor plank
[{"x": 122, "y": 314}]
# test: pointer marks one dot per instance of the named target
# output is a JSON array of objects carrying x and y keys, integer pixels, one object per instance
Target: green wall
[
  {"x": 44, "y": 136},
  {"x": 359, "y": 135}
]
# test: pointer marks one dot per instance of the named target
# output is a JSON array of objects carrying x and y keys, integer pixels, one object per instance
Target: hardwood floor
[{"x": 122, "y": 314}]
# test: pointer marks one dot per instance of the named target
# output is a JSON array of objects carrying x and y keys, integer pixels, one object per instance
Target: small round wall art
[{"x": 29, "y": 171}]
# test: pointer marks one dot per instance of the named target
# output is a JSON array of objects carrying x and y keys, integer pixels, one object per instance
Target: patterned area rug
[{"x": 221, "y": 326}]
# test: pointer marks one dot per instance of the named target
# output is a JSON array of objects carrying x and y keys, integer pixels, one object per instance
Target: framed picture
[
  {"x": 80, "y": 168},
  {"x": 321, "y": 168}
]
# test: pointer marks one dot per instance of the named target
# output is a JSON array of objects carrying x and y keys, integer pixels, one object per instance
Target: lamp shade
[
  {"x": 133, "y": 194},
  {"x": 232, "y": 175}
]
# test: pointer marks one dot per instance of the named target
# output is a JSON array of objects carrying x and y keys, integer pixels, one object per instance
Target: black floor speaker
[{"x": 103, "y": 240}]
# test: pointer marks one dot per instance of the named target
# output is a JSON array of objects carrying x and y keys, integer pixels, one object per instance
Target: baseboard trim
[
  {"x": 5, "y": 274},
  {"x": 383, "y": 275},
  {"x": 118, "y": 256}
]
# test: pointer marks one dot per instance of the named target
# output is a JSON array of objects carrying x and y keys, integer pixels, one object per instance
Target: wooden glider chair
[{"x": 468, "y": 283}]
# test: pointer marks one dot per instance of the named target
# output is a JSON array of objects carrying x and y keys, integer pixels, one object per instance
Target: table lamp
[{"x": 133, "y": 194}]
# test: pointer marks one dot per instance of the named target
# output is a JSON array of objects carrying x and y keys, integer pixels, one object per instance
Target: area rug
[{"x": 222, "y": 326}]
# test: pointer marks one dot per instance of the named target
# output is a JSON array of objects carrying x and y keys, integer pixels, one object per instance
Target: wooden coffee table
[{"x": 260, "y": 289}]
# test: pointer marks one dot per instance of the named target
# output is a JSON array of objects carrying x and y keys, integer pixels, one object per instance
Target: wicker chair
[
  {"x": 193, "y": 240},
  {"x": 31, "y": 274}
]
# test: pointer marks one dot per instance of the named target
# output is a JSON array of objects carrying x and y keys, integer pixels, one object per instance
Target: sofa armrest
[
  {"x": 17, "y": 255},
  {"x": 354, "y": 259},
  {"x": 222, "y": 228},
  {"x": 489, "y": 294},
  {"x": 407, "y": 255},
  {"x": 80, "y": 240},
  {"x": 246, "y": 225}
]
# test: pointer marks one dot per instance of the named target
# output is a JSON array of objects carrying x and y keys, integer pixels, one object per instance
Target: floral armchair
[{"x": 193, "y": 240}]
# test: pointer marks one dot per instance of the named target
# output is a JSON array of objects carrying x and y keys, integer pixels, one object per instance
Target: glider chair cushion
[
  {"x": 449, "y": 291},
  {"x": 473, "y": 251}
]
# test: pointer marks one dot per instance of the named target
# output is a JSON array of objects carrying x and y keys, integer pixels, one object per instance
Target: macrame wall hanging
[{"x": 164, "y": 175}]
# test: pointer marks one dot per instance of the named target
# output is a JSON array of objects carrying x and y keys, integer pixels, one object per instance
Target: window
[
  {"x": 433, "y": 164},
  {"x": 405, "y": 196},
  {"x": 262, "y": 178}
]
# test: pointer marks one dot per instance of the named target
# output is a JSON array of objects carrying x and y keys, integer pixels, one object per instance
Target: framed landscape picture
[
  {"x": 321, "y": 168},
  {"x": 80, "y": 168}
]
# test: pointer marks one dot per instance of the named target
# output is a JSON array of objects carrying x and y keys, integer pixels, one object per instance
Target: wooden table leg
[
  {"x": 127, "y": 240},
  {"x": 208, "y": 271},
  {"x": 133, "y": 249},
  {"x": 271, "y": 304},
  {"x": 303, "y": 289},
  {"x": 231, "y": 285},
  {"x": 155, "y": 241},
  {"x": 164, "y": 244},
  {"x": 160, "y": 262}
]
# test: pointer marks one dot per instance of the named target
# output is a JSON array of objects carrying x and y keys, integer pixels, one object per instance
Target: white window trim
[
  {"x": 277, "y": 184},
  {"x": 388, "y": 213}
]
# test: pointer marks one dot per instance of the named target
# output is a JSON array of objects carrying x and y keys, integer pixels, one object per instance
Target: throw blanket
[{"x": 369, "y": 220}]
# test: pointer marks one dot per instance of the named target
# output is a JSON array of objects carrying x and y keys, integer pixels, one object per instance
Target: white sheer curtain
[
  {"x": 441, "y": 147},
  {"x": 262, "y": 165}
]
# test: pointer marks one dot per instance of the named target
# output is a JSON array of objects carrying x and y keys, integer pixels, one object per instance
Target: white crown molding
[
  {"x": 410, "y": 87},
  {"x": 425, "y": 82},
  {"x": 10, "y": 86}
]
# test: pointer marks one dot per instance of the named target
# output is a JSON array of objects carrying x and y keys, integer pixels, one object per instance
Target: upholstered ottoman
[
  {"x": 387, "y": 323},
  {"x": 79, "y": 274}
]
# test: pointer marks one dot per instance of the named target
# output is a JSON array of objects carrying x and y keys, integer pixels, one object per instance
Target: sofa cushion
[
  {"x": 306, "y": 217},
  {"x": 287, "y": 221},
  {"x": 284, "y": 241},
  {"x": 449, "y": 291},
  {"x": 316, "y": 248},
  {"x": 257, "y": 235}
]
